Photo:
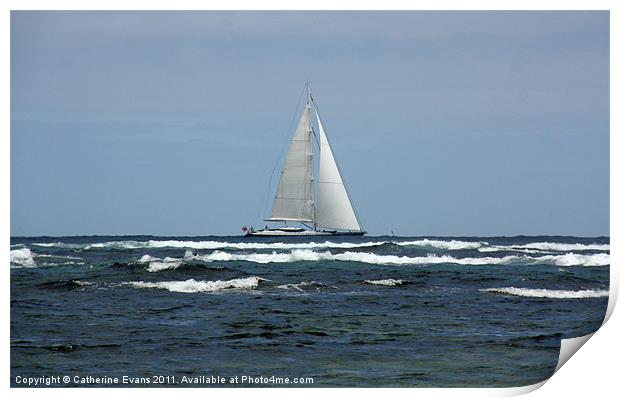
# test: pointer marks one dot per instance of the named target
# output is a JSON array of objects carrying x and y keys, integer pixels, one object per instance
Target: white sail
[
  {"x": 333, "y": 208},
  {"x": 293, "y": 200}
]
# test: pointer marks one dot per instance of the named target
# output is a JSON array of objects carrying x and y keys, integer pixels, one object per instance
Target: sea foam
[
  {"x": 148, "y": 258},
  {"x": 167, "y": 263},
  {"x": 565, "y": 246},
  {"x": 569, "y": 259},
  {"x": 217, "y": 245},
  {"x": 445, "y": 245},
  {"x": 300, "y": 286},
  {"x": 23, "y": 257},
  {"x": 194, "y": 286},
  {"x": 482, "y": 246},
  {"x": 545, "y": 293},
  {"x": 385, "y": 282},
  {"x": 362, "y": 257}
]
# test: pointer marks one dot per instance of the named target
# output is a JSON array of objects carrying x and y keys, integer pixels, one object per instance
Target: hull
[{"x": 277, "y": 232}]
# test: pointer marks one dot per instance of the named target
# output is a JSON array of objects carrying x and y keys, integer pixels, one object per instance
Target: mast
[{"x": 316, "y": 199}]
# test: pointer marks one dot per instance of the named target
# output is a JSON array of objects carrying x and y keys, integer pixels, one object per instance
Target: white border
[{"x": 593, "y": 372}]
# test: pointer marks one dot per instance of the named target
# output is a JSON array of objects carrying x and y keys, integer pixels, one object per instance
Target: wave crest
[
  {"x": 300, "y": 286},
  {"x": 385, "y": 282},
  {"x": 444, "y": 244},
  {"x": 545, "y": 293},
  {"x": 362, "y": 257},
  {"x": 565, "y": 247},
  {"x": 194, "y": 286},
  {"x": 23, "y": 257},
  {"x": 569, "y": 259},
  {"x": 299, "y": 255},
  {"x": 482, "y": 246},
  {"x": 167, "y": 263}
]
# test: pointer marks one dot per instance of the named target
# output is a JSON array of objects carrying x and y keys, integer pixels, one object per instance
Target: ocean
[{"x": 136, "y": 311}]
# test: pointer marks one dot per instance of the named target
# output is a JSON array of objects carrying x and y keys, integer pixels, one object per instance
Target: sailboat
[{"x": 317, "y": 206}]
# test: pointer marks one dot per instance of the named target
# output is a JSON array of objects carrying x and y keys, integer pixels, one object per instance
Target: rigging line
[{"x": 263, "y": 202}]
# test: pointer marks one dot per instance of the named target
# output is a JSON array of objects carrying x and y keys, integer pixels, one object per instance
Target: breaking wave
[
  {"x": 23, "y": 257},
  {"x": 445, "y": 245},
  {"x": 300, "y": 286},
  {"x": 546, "y": 247},
  {"x": 194, "y": 286},
  {"x": 362, "y": 257},
  {"x": 206, "y": 245},
  {"x": 167, "y": 263},
  {"x": 371, "y": 258},
  {"x": 385, "y": 282},
  {"x": 214, "y": 245},
  {"x": 57, "y": 244},
  {"x": 157, "y": 264},
  {"x": 47, "y": 264},
  {"x": 481, "y": 246},
  {"x": 147, "y": 259},
  {"x": 545, "y": 293},
  {"x": 565, "y": 247},
  {"x": 569, "y": 259}
]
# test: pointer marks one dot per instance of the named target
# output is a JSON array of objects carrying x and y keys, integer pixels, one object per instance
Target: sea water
[{"x": 355, "y": 311}]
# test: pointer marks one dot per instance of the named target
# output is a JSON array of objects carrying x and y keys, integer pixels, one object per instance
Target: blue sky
[{"x": 170, "y": 123}]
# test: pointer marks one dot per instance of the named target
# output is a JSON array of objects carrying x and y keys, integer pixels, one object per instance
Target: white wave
[
  {"x": 565, "y": 247},
  {"x": 167, "y": 263},
  {"x": 147, "y": 259},
  {"x": 569, "y": 259},
  {"x": 545, "y": 293},
  {"x": 46, "y": 264},
  {"x": 299, "y": 286},
  {"x": 23, "y": 257},
  {"x": 545, "y": 247},
  {"x": 290, "y": 286},
  {"x": 194, "y": 286},
  {"x": 363, "y": 257},
  {"x": 111, "y": 245},
  {"x": 445, "y": 245},
  {"x": 498, "y": 248},
  {"x": 215, "y": 245},
  {"x": 207, "y": 245},
  {"x": 385, "y": 282},
  {"x": 157, "y": 264},
  {"x": 127, "y": 244},
  {"x": 435, "y": 243}
]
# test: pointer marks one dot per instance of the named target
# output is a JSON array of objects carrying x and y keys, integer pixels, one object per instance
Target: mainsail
[
  {"x": 333, "y": 208},
  {"x": 293, "y": 200}
]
